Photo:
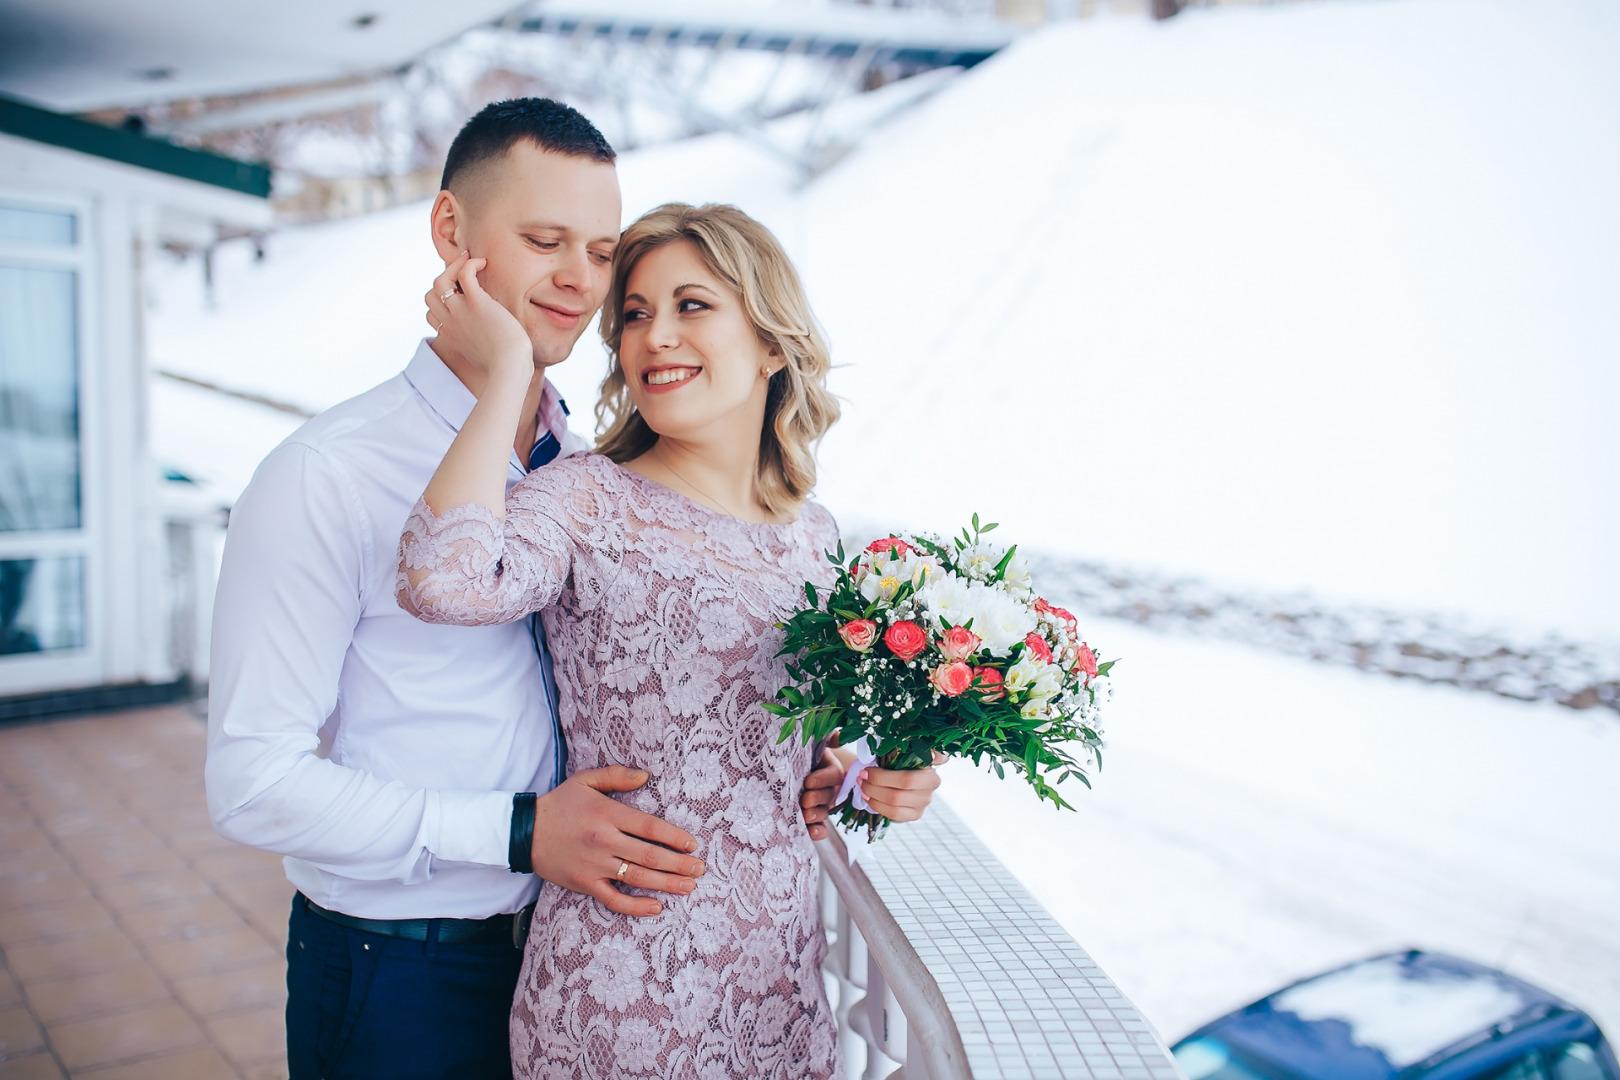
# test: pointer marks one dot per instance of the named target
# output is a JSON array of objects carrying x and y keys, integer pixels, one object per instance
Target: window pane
[
  {"x": 36, "y": 226},
  {"x": 39, "y": 400},
  {"x": 41, "y": 605},
  {"x": 1208, "y": 1058},
  {"x": 1526, "y": 1068},
  {"x": 1577, "y": 1061}
]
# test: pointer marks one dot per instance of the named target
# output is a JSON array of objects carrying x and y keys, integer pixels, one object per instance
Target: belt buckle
[{"x": 520, "y": 925}]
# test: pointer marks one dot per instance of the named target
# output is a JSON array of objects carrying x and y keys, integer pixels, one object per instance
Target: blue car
[{"x": 1406, "y": 1015}]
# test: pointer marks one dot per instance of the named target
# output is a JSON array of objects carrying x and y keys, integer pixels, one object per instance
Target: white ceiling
[{"x": 73, "y": 55}]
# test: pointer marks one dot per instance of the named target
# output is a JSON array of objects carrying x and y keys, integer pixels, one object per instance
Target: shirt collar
[
  {"x": 449, "y": 397},
  {"x": 439, "y": 386}
]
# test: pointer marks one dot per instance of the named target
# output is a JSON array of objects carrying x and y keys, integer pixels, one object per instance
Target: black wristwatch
[{"x": 520, "y": 848}]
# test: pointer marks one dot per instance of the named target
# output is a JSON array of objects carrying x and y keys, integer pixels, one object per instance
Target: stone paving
[{"x": 136, "y": 943}]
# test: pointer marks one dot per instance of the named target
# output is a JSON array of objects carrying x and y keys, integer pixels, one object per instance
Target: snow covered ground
[
  {"x": 1259, "y": 819},
  {"x": 1300, "y": 297}
]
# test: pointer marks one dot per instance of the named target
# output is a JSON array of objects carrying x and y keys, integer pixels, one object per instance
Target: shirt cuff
[{"x": 470, "y": 826}]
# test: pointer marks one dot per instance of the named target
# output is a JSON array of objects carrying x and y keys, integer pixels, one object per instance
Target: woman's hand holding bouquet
[{"x": 925, "y": 644}]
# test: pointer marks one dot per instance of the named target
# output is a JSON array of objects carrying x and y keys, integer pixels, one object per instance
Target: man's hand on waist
[{"x": 582, "y": 836}]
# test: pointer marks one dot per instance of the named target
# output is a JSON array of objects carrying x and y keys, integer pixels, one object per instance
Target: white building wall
[{"x": 126, "y": 214}]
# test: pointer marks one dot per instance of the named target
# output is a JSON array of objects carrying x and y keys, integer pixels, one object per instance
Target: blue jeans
[{"x": 365, "y": 1007}]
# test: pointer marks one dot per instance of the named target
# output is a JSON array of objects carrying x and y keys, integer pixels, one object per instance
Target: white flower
[
  {"x": 980, "y": 559},
  {"x": 1020, "y": 678},
  {"x": 881, "y": 586},
  {"x": 1035, "y": 709},
  {"x": 1017, "y": 576},
  {"x": 1002, "y": 621},
  {"x": 996, "y": 617}
]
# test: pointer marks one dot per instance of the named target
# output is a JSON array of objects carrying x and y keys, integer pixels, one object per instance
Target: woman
[{"x": 662, "y": 565}]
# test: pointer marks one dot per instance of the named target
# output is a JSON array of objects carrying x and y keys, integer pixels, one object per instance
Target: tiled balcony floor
[{"x": 137, "y": 943}]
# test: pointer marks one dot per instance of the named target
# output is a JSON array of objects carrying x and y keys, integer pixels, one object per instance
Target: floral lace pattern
[{"x": 662, "y": 625}]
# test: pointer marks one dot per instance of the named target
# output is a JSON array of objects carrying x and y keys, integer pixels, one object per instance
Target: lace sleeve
[{"x": 468, "y": 568}]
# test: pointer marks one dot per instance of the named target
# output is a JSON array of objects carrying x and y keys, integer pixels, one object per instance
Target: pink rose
[
  {"x": 1037, "y": 647},
  {"x": 892, "y": 544},
  {"x": 959, "y": 643},
  {"x": 987, "y": 680},
  {"x": 859, "y": 634},
  {"x": 906, "y": 639},
  {"x": 1088, "y": 661},
  {"x": 951, "y": 679}
]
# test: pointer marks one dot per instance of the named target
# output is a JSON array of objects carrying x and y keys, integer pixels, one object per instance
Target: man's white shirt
[{"x": 379, "y": 754}]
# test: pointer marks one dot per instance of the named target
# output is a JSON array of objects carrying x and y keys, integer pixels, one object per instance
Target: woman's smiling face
[{"x": 690, "y": 355}]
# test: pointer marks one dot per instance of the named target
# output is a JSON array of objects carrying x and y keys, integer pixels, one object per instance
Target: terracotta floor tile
[
  {"x": 40, "y": 888},
  {"x": 273, "y": 928},
  {"x": 19, "y": 1034},
  {"x": 198, "y": 841},
  {"x": 223, "y": 950},
  {"x": 259, "y": 1035},
  {"x": 79, "y": 820},
  {"x": 23, "y": 838},
  {"x": 53, "y": 921},
  {"x": 88, "y": 995},
  {"x": 260, "y": 986},
  {"x": 44, "y": 861},
  {"x": 102, "y": 870},
  {"x": 32, "y": 1067},
  {"x": 182, "y": 919},
  {"x": 125, "y": 840},
  {"x": 104, "y": 1040},
  {"x": 256, "y": 894},
  {"x": 36, "y": 961},
  {"x": 203, "y": 1063},
  {"x": 131, "y": 894},
  {"x": 244, "y": 862}
]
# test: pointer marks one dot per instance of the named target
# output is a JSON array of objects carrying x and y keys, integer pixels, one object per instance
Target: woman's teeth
[{"x": 672, "y": 375}]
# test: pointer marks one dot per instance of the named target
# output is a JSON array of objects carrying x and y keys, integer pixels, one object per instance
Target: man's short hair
[{"x": 548, "y": 124}]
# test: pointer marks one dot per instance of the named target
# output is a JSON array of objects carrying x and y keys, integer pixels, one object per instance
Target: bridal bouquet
[{"x": 925, "y": 644}]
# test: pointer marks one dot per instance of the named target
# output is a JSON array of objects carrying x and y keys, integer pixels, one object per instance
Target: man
[{"x": 411, "y": 773}]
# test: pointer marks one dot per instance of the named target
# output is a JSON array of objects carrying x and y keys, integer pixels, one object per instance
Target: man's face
[{"x": 547, "y": 224}]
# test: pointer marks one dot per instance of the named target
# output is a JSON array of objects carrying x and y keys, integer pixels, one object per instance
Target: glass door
[{"x": 44, "y": 542}]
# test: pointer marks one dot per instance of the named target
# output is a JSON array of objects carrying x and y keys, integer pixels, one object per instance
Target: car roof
[{"x": 1372, "y": 1019}]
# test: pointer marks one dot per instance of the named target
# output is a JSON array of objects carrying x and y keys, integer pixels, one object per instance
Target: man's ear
[{"x": 448, "y": 226}]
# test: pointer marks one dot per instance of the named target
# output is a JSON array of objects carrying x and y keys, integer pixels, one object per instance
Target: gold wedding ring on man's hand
[
  {"x": 624, "y": 868},
  {"x": 446, "y": 295}
]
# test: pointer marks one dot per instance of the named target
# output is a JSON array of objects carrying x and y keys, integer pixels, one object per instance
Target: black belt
[{"x": 512, "y": 929}]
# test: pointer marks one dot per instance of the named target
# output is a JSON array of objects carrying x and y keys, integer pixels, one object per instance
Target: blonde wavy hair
[{"x": 744, "y": 255}]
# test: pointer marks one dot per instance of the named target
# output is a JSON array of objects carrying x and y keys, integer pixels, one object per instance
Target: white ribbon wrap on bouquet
[
  {"x": 851, "y": 788},
  {"x": 864, "y": 757}
]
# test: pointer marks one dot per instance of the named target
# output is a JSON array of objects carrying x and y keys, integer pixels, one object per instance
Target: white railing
[{"x": 946, "y": 968}]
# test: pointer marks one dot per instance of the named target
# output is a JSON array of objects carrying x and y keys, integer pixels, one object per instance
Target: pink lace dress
[{"x": 661, "y": 619}]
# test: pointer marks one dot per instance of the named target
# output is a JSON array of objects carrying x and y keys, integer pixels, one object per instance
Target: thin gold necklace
[{"x": 713, "y": 502}]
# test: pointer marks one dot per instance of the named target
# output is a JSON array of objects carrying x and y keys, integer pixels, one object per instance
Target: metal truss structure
[{"x": 820, "y": 58}]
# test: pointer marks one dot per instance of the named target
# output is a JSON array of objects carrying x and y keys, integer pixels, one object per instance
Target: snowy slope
[{"x": 1315, "y": 295}]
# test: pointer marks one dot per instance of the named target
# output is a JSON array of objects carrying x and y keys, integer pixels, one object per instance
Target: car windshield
[
  {"x": 1403, "y": 1008},
  {"x": 1207, "y": 1058}
]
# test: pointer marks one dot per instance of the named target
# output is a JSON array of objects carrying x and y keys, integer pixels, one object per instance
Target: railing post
[{"x": 886, "y": 1025}]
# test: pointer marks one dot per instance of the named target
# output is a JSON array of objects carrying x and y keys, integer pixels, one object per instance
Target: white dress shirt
[{"x": 378, "y": 753}]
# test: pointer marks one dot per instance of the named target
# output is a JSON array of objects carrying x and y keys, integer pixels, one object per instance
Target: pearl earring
[{"x": 765, "y": 371}]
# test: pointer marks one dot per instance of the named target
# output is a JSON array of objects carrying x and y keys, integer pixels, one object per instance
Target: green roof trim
[{"x": 131, "y": 148}]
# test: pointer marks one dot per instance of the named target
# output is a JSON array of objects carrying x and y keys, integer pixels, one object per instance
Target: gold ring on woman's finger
[
  {"x": 624, "y": 868},
  {"x": 446, "y": 295}
]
